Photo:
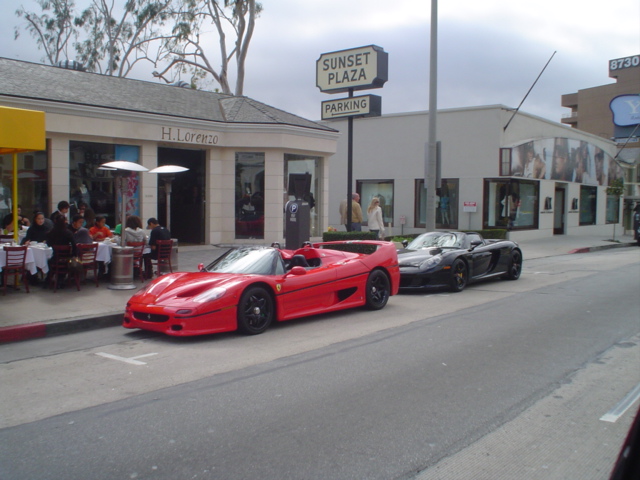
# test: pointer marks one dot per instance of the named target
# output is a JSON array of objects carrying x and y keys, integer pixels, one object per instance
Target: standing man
[
  {"x": 63, "y": 209},
  {"x": 356, "y": 213}
]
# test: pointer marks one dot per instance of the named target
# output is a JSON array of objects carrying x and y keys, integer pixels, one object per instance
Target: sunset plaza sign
[{"x": 353, "y": 69}]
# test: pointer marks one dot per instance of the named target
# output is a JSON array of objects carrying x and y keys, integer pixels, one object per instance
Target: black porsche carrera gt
[{"x": 454, "y": 259}]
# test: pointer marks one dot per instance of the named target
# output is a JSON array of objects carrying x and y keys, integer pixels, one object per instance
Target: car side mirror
[
  {"x": 475, "y": 243},
  {"x": 298, "y": 270},
  {"x": 405, "y": 243},
  {"x": 200, "y": 267}
]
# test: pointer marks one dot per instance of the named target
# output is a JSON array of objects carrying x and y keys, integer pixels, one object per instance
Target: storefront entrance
[
  {"x": 187, "y": 221},
  {"x": 559, "y": 212}
]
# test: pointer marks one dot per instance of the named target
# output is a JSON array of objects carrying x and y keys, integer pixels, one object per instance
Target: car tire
[
  {"x": 459, "y": 276},
  {"x": 378, "y": 290},
  {"x": 515, "y": 266},
  {"x": 255, "y": 311}
]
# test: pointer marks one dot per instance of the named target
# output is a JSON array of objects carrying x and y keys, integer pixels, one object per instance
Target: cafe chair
[
  {"x": 87, "y": 255},
  {"x": 163, "y": 247},
  {"x": 59, "y": 267},
  {"x": 138, "y": 260},
  {"x": 15, "y": 266}
]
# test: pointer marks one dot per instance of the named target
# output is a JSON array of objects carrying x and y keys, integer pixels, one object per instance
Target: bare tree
[
  {"x": 189, "y": 44},
  {"x": 53, "y": 30},
  {"x": 119, "y": 38}
]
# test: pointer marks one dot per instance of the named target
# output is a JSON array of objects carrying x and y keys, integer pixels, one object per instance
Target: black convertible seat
[{"x": 298, "y": 261}]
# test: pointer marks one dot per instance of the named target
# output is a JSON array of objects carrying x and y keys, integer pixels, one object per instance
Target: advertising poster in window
[{"x": 564, "y": 160}]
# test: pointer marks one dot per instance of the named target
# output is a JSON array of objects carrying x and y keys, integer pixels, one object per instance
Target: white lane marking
[
  {"x": 614, "y": 414},
  {"x": 131, "y": 360}
]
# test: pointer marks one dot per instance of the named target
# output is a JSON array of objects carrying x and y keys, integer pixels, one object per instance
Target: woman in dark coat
[{"x": 37, "y": 232}]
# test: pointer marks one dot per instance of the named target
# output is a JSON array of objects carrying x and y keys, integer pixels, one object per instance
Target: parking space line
[
  {"x": 614, "y": 414},
  {"x": 132, "y": 360}
]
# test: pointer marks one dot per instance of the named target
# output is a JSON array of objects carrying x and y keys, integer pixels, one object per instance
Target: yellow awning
[{"x": 21, "y": 130}]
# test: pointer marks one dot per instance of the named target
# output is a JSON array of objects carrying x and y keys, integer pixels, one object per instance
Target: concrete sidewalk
[{"x": 44, "y": 313}]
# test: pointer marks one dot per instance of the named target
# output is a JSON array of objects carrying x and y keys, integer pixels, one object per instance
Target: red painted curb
[
  {"x": 22, "y": 332},
  {"x": 581, "y": 250}
]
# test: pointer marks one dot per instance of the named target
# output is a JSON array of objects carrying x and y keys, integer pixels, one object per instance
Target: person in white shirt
[{"x": 376, "y": 222}]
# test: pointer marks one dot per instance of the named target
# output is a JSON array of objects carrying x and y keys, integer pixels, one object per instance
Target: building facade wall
[
  {"x": 66, "y": 123},
  {"x": 392, "y": 148}
]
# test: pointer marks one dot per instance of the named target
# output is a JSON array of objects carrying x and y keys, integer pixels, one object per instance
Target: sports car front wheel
[
  {"x": 378, "y": 290},
  {"x": 515, "y": 266},
  {"x": 255, "y": 311},
  {"x": 459, "y": 276}
]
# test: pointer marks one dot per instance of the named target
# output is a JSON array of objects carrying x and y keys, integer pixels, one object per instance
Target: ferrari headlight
[
  {"x": 209, "y": 295},
  {"x": 431, "y": 262}
]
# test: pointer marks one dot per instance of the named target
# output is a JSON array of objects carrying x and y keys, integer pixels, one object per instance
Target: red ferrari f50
[{"x": 249, "y": 287}]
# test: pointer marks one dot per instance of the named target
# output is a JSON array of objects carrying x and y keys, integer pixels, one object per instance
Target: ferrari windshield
[
  {"x": 436, "y": 239},
  {"x": 256, "y": 261}
]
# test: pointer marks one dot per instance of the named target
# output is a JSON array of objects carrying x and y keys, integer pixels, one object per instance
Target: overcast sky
[{"x": 490, "y": 51}]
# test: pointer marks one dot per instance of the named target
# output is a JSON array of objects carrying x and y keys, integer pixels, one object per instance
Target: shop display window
[
  {"x": 588, "y": 202},
  {"x": 249, "y": 200},
  {"x": 446, "y": 204},
  {"x": 613, "y": 209},
  {"x": 306, "y": 164},
  {"x": 511, "y": 204},
  {"x": 96, "y": 187},
  {"x": 33, "y": 191},
  {"x": 383, "y": 189}
]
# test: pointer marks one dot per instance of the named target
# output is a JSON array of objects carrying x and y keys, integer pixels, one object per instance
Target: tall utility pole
[{"x": 431, "y": 154}]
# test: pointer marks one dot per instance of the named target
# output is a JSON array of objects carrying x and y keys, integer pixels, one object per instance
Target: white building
[
  {"x": 239, "y": 153},
  {"x": 537, "y": 178}
]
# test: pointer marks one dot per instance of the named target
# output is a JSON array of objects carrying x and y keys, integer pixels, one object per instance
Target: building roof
[{"x": 54, "y": 84}]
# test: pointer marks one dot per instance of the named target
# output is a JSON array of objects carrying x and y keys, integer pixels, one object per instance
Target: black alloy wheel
[
  {"x": 255, "y": 311},
  {"x": 515, "y": 266},
  {"x": 459, "y": 276},
  {"x": 378, "y": 290}
]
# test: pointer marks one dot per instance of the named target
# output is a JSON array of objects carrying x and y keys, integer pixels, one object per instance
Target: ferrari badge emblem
[{"x": 278, "y": 287}]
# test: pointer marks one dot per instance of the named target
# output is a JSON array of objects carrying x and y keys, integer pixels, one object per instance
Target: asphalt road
[{"x": 389, "y": 394}]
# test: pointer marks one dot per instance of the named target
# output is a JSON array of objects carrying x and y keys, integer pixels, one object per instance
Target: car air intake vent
[{"x": 150, "y": 317}]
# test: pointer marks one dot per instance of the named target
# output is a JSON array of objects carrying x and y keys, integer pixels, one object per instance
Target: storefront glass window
[
  {"x": 383, "y": 189},
  {"x": 306, "y": 164},
  {"x": 588, "y": 196},
  {"x": 97, "y": 188},
  {"x": 446, "y": 204},
  {"x": 32, "y": 184},
  {"x": 588, "y": 200},
  {"x": 249, "y": 195},
  {"x": 511, "y": 204},
  {"x": 613, "y": 209}
]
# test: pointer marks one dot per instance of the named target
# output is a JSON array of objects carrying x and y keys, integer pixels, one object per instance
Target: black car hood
[{"x": 406, "y": 255}]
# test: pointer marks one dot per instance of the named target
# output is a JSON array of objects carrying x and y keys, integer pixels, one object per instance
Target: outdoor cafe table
[{"x": 38, "y": 256}]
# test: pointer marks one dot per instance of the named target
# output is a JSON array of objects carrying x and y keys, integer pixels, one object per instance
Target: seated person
[
  {"x": 133, "y": 231},
  {"x": 7, "y": 224},
  {"x": 100, "y": 231},
  {"x": 158, "y": 232},
  {"x": 80, "y": 234},
  {"x": 37, "y": 231}
]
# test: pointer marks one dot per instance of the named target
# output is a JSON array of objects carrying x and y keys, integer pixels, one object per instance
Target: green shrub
[{"x": 337, "y": 236}]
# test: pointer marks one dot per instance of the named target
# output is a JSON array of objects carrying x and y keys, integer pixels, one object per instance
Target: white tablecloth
[
  {"x": 37, "y": 257},
  {"x": 104, "y": 252}
]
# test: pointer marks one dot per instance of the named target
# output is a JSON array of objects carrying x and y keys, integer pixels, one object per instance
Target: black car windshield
[
  {"x": 436, "y": 239},
  {"x": 257, "y": 261}
]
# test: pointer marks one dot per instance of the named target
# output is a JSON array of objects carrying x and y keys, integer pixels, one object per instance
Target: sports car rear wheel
[
  {"x": 255, "y": 311},
  {"x": 378, "y": 290},
  {"x": 459, "y": 276},
  {"x": 515, "y": 267}
]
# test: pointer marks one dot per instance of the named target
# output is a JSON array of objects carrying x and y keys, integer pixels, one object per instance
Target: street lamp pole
[
  {"x": 167, "y": 173},
  {"x": 431, "y": 154}
]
